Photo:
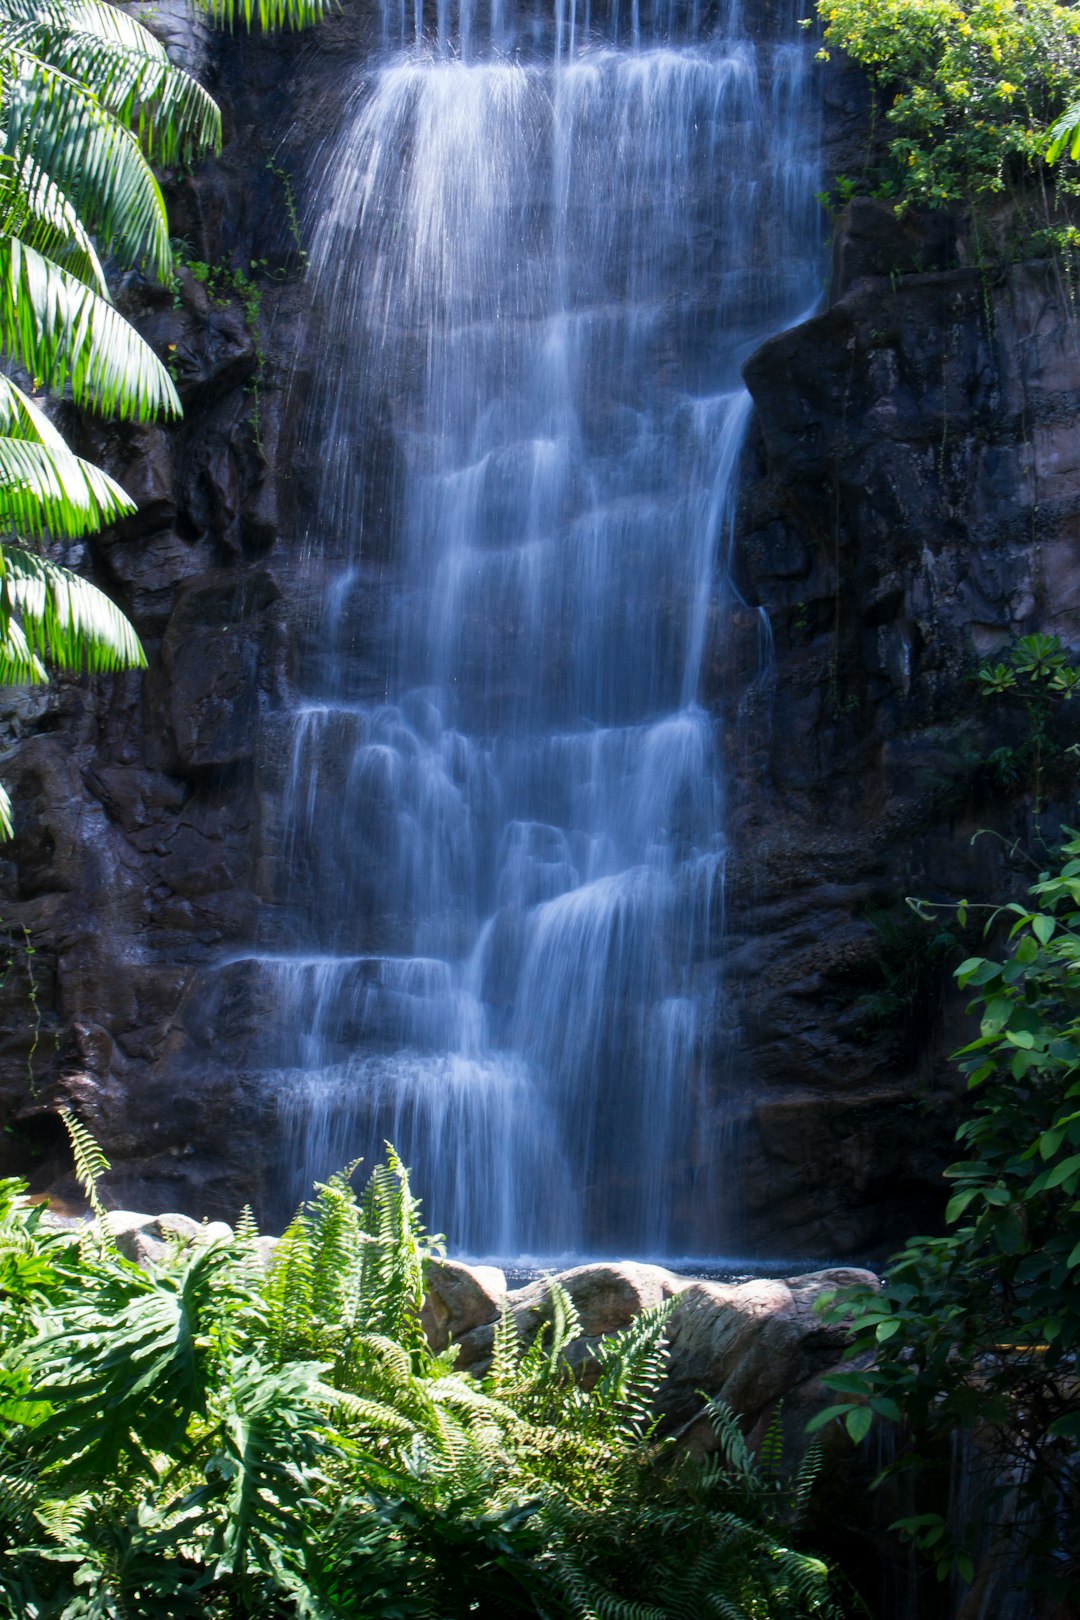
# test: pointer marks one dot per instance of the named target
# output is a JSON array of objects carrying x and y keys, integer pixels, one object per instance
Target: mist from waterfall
[{"x": 542, "y": 247}]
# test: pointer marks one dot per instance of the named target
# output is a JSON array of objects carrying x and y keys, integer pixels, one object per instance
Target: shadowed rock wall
[
  {"x": 911, "y": 495},
  {"x": 912, "y": 501}
]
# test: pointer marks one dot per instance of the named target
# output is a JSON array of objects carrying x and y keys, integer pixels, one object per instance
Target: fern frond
[
  {"x": 288, "y": 1289},
  {"x": 64, "y": 1518},
  {"x": 18, "y": 1495},
  {"x": 90, "y": 1162},
  {"x": 733, "y": 1448},
  {"x": 391, "y": 1280},
  {"x": 771, "y": 1450},
  {"x": 631, "y": 1366},
  {"x": 806, "y": 1479},
  {"x": 378, "y": 1417},
  {"x": 505, "y": 1353}
]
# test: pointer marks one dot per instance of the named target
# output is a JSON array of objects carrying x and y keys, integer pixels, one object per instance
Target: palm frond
[
  {"x": 19, "y": 663},
  {"x": 40, "y": 492},
  {"x": 65, "y": 618},
  {"x": 97, "y": 162},
  {"x": 63, "y": 331},
  {"x": 269, "y": 14},
  {"x": 176, "y": 120},
  {"x": 43, "y": 486},
  {"x": 33, "y": 207}
]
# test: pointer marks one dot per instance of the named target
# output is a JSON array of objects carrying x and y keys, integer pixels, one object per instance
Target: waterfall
[{"x": 542, "y": 247}]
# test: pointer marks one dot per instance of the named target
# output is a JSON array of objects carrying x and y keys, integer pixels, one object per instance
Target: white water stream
[{"x": 542, "y": 249}]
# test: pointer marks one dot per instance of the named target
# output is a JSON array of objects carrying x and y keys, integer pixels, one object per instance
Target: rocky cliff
[{"x": 911, "y": 496}]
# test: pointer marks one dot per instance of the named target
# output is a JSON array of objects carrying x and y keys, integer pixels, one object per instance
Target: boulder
[
  {"x": 752, "y": 1344},
  {"x": 460, "y": 1299},
  {"x": 606, "y": 1297},
  {"x": 145, "y": 1239}
]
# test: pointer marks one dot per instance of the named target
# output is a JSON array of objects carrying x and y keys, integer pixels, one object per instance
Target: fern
[
  {"x": 391, "y": 1283},
  {"x": 90, "y": 1162},
  {"x": 207, "y": 1442}
]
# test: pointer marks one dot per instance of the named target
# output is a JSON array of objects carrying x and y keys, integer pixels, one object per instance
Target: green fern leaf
[{"x": 90, "y": 1162}]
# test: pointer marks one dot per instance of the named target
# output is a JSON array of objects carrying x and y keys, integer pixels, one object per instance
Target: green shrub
[
  {"x": 969, "y": 86},
  {"x": 203, "y": 1439},
  {"x": 977, "y": 1332}
]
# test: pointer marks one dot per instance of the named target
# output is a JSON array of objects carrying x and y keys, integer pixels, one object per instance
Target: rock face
[
  {"x": 912, "y": 501},
  {"x": 911, "y": 497}
]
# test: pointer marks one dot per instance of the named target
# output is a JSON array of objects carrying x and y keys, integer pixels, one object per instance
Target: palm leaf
[
  {"x": 67, "y": 496},
  {"x": 128, "y": 69},
  {"x": 66, "y": 619},
  {"x": 62, "y": 331},
  {"x": 33, "y": 207},
  {"x": 64, "y": 129},
  {"x": 42, "y": 484},
  {"x": 19, "y": 663},
  {"x": 269, "y": 14}
]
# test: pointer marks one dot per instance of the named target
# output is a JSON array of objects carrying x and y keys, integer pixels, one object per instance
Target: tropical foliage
[
  {"x": 88, "y": 102},
  {"x": 968, "y": 86},
  {"x": 204, "y": 1438},
  {"x": 976, "y": 1333}
]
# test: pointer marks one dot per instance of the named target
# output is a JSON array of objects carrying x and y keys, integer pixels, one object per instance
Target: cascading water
[{"x": 540, "y": 261}]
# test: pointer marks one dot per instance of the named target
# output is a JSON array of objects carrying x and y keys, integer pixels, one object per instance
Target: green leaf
[
  {"x": 64, "y": 332},
  {"x": 66, "y": 619},
  {"x": 1062, "y": 1172},
  {"x": 60, "y": 125},
  {"x": 858, "y": 1423},
  {"x": 129, "y": 71},
  {"x": 1043, "y": 927},
  {"x": 270, "y": 14},
  {"x": 43, "y": 487},
  {"x": 958, "y": 1203}
]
